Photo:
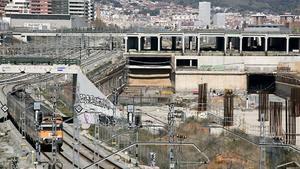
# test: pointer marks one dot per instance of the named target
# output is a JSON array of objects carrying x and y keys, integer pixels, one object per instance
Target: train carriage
[{"x": 19, "y": 102}]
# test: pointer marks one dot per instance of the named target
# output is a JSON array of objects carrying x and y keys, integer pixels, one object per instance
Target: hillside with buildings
[{"x": 276, "y": 6}]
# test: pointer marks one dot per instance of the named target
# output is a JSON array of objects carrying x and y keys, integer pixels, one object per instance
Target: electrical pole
[
  {"x": 80, "y": 49},
  {"x": 76, "y": 128},
  {"x": 263, "y": 116},
  {"x": 262, "y": 141},
  {"x": 37, "y": 107},
  {"x": 113, "y": 122},
  {"x": 96, "y": 137},
  {"x": 53, "y": 120},
  {"x": 171, "y": 133}
]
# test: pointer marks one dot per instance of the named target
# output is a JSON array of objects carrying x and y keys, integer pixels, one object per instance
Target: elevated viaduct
[
  {"x": 197, "y": 42},
  {"x": 239, "y": 60}
]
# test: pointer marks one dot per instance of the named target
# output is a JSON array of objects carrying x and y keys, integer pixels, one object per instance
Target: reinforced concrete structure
[
  {"x": 223, "y": 59},
  {"x": 214, "y": 41}
]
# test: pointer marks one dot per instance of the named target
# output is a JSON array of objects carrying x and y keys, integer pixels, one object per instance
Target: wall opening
[{"x": 261, "y": 82}]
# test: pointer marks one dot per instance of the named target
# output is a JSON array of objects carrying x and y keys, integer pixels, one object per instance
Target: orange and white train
[{"x": 50, "y": 128}]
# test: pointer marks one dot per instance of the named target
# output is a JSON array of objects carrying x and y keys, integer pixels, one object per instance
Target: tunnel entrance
[
  {"x": 149, "y": 71},
  {"x": 261, "y": 82},
  {"x": 150, "y": 79}
]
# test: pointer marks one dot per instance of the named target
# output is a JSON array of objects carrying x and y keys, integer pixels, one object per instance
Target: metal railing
[{"x": 38, "y": 61}]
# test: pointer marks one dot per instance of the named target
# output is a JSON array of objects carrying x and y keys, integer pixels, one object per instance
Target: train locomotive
[{"x": 21, "y": 112}]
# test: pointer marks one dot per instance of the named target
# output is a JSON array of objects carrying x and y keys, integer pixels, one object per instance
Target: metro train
[{"x": 50, "y": 127}]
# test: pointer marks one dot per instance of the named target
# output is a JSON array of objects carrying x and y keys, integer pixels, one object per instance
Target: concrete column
[
  {"x": 143, "y": 39},
  {"x": 111, "y": 43},
  {"x": 139, "y": 43},
  {"x": 198, "y": 63},
  {"x": 241, "y": 44},
  {"x": 198, "y": 45},
  {"x": 158, "y": 43},
  {"x": 191, "y": 62},
  {"x": 191, "y": 43},
  {"x": 183, "y": 44},
  {"x": 266, "y": 43},
  {"x": 126, "y": 44},
  {"x": 225, "y": 44},
  {"x": 287, "y": 45}
]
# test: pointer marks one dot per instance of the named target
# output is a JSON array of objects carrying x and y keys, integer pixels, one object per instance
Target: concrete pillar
[
  {"x": 161, "y": 43},
  {"x": 198, "y": 44},
  {"x": 225, "y": 44},
  {"x": 191, "y": 43},
  {"x": 241, "y": 44},
  {"x": 191, "y": 62},
  {"x": 111, "y": 43},
  {"x": 139, "y": 43},
  {"x": 158, "y": 43},
  {"x": 143, "y": 40},
  {"x": 126, "y": 44},
  {"x": 266, "y": 43},
  {"x": 259, "y": 41},
  {"x": 287, "y": 45},
  {"x": 183, "y": 44}
]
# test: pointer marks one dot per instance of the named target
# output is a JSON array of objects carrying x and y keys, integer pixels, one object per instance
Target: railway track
[
  {"x": 63, "y": 162},
  {"x": 30, "y": 77},
  {"x": 87, "y": 154}
]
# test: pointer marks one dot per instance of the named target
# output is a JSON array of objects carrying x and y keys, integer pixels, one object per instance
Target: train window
[
  {"x": 47, "y": 128},
  {"x": 59, "y": 127},
  {"x": 50, "y": 128}
]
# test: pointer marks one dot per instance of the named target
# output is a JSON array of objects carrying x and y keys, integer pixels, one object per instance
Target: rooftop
[{"x": 39, "y": 16}]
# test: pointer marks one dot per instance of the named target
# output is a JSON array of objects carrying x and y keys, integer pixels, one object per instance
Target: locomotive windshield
[{"x": 49, "y": 127}]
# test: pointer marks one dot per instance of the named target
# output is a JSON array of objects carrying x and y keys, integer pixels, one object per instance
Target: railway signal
[
  {"x": 4, "y": 108},
  {"x": 152, "y": 159},
  {"x": 130, "y": 114},
  {"x": 78, "y": 108}
]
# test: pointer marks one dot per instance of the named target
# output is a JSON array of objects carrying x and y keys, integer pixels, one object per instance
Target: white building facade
[
  {"x": 219, "y": 20},
  {"x": 204, "y": 14},
  {"x": 84, "y": 8},
  {"x": 17, "y": 7}
]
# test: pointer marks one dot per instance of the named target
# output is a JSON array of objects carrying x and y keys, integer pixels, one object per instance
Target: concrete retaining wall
[
  {"x": 247, "y": 60},
  {"x": 188, "y": 81}
]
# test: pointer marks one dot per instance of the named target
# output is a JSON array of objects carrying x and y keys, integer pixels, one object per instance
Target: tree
[{"x": 98, "y": 24}]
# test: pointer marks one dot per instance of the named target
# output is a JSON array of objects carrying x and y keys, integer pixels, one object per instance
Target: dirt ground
[{"x": 12, "y": 145}]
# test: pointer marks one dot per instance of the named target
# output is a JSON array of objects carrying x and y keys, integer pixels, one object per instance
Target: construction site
[{"x": 173, "y": 100}]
